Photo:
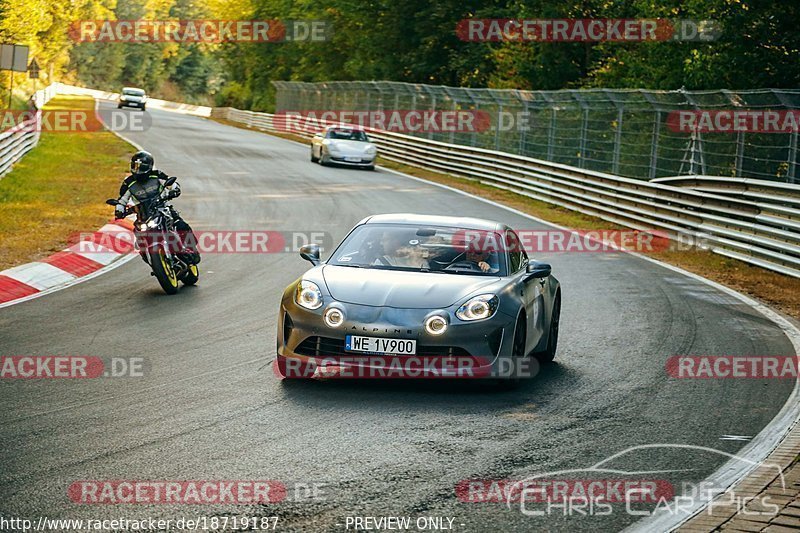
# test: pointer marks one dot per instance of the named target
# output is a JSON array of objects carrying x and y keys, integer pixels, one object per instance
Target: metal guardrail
[
  {"x": 754, "y": 221},
  {"x": 625, "y": 132},
  {"x": 15, "y": 142}
]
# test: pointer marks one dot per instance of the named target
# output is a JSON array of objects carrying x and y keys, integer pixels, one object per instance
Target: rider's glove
[
  {"x": 119, "y": 211},
  {"x": 174, "y": 192}
]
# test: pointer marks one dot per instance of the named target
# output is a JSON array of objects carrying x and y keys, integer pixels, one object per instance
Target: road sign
[
  {"x": 33, "y": 70},
  {"x": 14, "y": 57}
]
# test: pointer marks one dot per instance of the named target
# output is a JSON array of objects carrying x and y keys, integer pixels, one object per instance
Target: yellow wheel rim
[{"x": 168, "y": 269}]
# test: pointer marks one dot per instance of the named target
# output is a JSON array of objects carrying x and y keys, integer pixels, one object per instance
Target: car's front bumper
[
  {"x": 465, "y": 350},
  {"x": 364, "y": 161}
]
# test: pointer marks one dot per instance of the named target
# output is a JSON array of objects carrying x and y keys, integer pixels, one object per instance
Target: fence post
[
  {"x": 617, "y": 142},
  {"x": 497, "y": 127},
  {"x": 654, "y": 146},
  {"x": 792, "y": 171},
  {"x": 739, "y": 153}
]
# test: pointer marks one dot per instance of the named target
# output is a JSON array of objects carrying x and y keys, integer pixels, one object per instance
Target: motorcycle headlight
[
  {"x": 478, "y": 307},
  {"x": 308, "y": 295}
]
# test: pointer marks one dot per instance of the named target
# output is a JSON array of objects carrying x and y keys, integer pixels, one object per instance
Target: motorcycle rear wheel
[{"x": 192, "y": 275}]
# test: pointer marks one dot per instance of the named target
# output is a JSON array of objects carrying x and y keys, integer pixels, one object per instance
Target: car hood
[
  {"x": 352, "y": 147},
  {"x": 407, "y": 290}
]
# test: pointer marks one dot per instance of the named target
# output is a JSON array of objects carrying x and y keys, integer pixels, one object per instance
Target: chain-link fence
[{"x": 634, "y": 133}]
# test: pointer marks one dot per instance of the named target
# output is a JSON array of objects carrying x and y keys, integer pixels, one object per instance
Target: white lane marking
[
  {"x": 736, "y": 437},
  {"x": 40, "y": 276}
]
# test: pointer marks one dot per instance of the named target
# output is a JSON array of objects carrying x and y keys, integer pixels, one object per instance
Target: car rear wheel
[{"x": 549, "y": 353}]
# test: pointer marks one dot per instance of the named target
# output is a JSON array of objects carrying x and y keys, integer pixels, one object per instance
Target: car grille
[
  {"x": 342, "y": 160},
  {"x": 327, "y": 347}
]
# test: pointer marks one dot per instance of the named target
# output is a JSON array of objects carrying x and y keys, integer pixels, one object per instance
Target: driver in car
[
  {"x": 397, "y": 251},
  {"x": 485, "y": 260}
]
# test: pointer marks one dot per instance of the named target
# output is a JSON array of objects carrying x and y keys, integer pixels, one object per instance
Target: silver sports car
[
  {"x": 420, "y": 296},
  {"x": 343, "y": 145}
]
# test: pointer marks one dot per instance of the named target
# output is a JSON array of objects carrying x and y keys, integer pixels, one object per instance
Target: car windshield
[
  {"x": 347, "y": 135},
  {"x": 422, "y": 248},
  {"x": 133, "y": 92}
]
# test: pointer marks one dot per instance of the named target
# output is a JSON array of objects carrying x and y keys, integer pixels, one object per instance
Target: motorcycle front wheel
[{"x": 162, "y": 269}]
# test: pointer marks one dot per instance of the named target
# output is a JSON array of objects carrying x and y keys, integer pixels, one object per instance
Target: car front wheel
[{"x": 549, "y": 353}]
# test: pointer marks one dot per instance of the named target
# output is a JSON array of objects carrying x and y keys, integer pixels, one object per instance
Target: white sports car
[{"x": 343, "y": 145}]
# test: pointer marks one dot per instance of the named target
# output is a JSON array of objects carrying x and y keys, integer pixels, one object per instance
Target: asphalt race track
[{"x": 210, "y": 408}]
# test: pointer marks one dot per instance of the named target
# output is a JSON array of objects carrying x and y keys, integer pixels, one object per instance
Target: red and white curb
[{"x": 94, "y": 253}]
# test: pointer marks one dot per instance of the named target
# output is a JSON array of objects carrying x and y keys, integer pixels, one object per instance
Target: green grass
[{"x": 59, "y": 188}]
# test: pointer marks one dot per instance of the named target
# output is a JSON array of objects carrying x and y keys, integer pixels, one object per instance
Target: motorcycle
[{"x": 158, "y": 242}]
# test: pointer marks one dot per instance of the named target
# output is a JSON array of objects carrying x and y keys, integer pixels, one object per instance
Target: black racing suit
[{"x": 142, "y": 189}]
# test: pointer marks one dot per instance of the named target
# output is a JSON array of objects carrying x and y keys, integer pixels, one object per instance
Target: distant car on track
[
  {"x": 403, "y": 286},
  {"x": 343, "y": 145},
  {"x": 132, "y": 97}
]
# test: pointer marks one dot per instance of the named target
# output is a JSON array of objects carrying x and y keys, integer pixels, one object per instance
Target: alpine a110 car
[{"x": 420, "y": 296}]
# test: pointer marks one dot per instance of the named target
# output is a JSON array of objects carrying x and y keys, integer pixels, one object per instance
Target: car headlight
[
  {"x": 371, "y": 150},
  {"x": 334, "y": 317},
  {"x": 478, "y": 308},
  {"x": 308, "y": 295},
  {"x": 436, "y": 325},
  {"x": 333, "y": 147}
]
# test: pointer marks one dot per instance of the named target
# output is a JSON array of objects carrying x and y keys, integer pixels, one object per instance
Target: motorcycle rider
[{"x": 145, "y": 183}]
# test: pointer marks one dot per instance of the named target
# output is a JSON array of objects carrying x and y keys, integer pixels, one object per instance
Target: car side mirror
[
  {"x": 310, "y": 252},
  {"x": 111, "y": 201},
  {"x": 538, "y": 270}
]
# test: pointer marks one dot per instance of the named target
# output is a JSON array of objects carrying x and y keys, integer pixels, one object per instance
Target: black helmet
[{"x": 141, "y": 163}]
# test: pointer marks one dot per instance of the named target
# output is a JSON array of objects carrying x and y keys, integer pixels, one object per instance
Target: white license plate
[
  {"x": 380, "y": 345},
  {"x": 353, "y": 159}
]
